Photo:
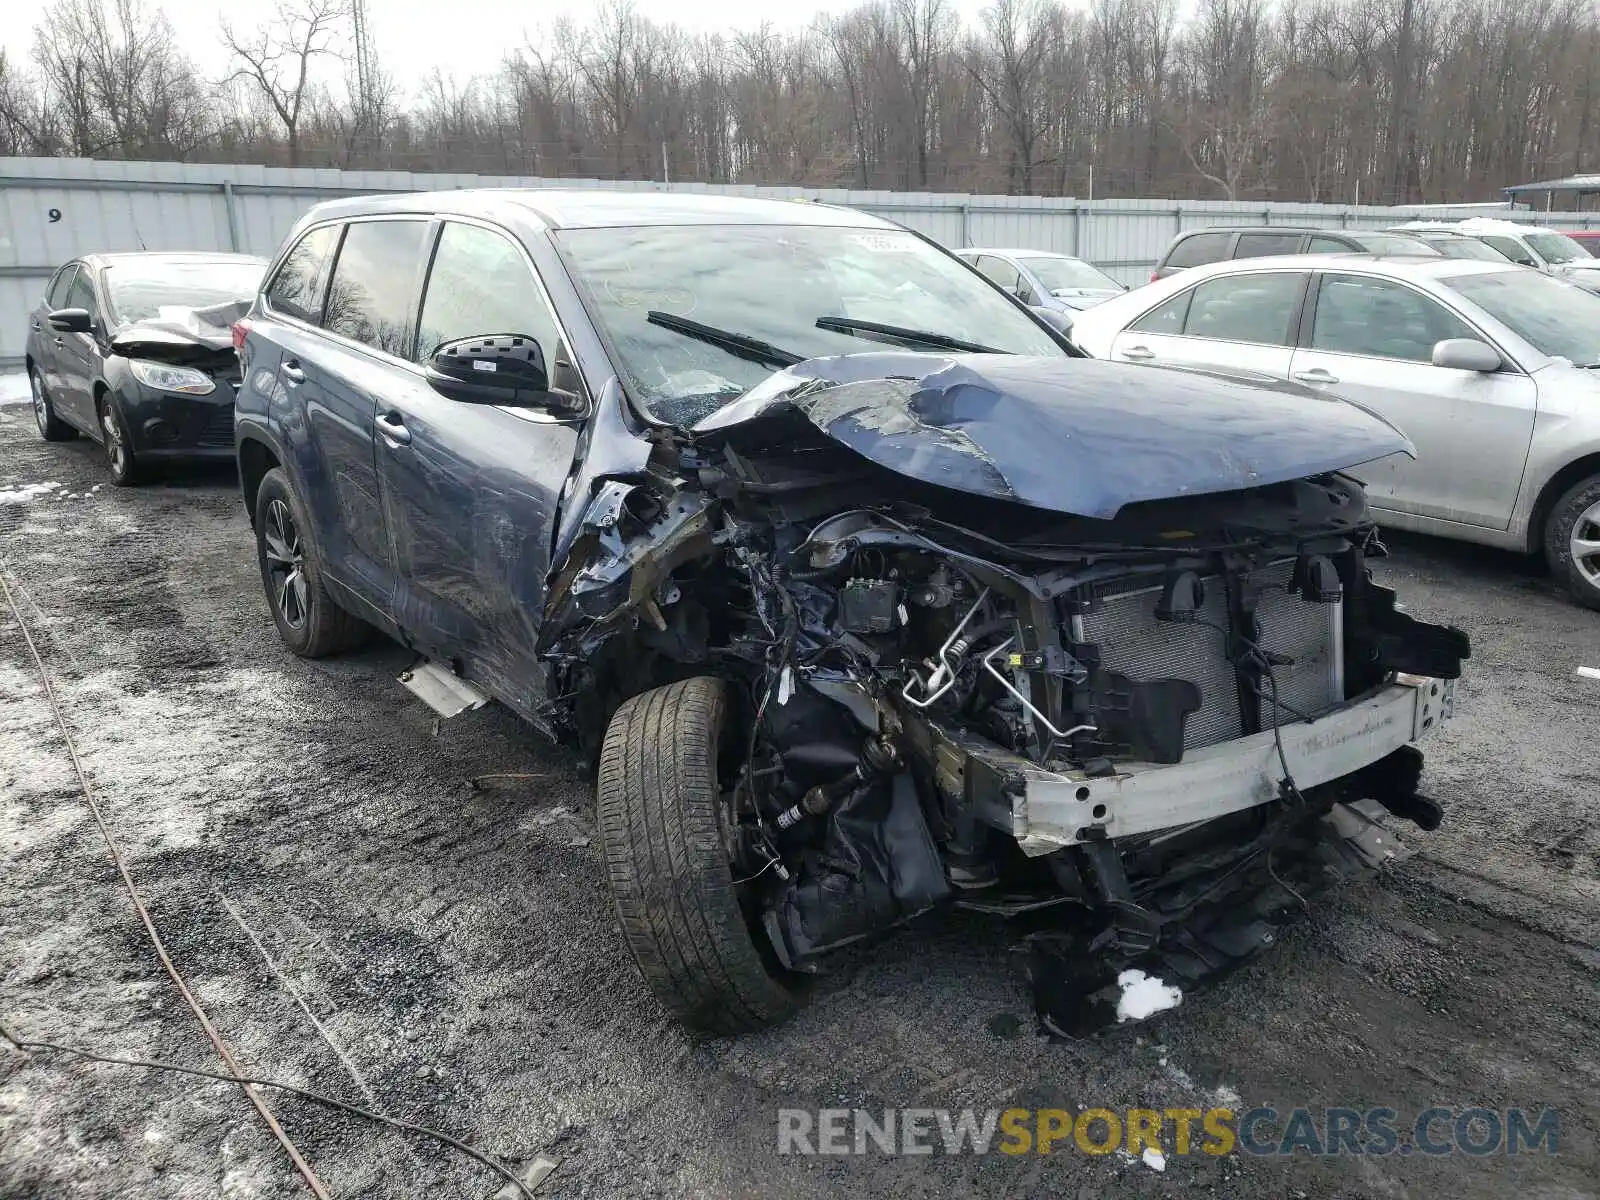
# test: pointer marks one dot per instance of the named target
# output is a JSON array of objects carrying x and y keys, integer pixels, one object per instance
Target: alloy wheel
[
  {"x": 286, "y": 565},
  {"x": 41, "y": 406},
  {"x": 116, "y": 450},
  {"x": 1584, "y": 544}
]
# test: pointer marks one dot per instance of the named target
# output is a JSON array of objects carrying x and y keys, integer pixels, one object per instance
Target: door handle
[
  {"x": 1316, "y": 375},
  {"x": 393, "y": 428},
  {"x": 1138, "y": 353},
  {"x": 61, "y": 341},
  {"x": 291, "y": 372}
]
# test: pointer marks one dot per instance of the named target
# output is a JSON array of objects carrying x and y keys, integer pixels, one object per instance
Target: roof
[
  {"x": 1018, "y": 252},
  {"x": 1569, "y": 183},
  {"x": 594, "y": 208},
  {"x": 1397, "y": 265},
  {"x": 173, "y": 256}
]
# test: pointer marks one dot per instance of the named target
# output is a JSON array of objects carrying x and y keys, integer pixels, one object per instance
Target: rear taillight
[
  {"x": 1155, "y": 277},
  {"x": 240, "y": 329}
]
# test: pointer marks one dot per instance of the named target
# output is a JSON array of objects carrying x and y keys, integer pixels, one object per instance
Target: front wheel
[
  {"x": 117, "y": 443},
  {"x": 664, "y": 830},
  {"x": 1572, "y": 541},
  {"x": 308, "y": 620}
]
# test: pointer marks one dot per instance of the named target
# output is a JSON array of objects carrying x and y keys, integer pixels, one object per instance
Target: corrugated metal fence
[{"x": 52, "y": 209}]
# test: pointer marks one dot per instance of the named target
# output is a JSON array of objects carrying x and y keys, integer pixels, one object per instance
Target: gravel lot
[{"x": 357, "y": 919}]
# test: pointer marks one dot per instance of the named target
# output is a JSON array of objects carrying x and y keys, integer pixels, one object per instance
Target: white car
[
  {"x": 1044, "y": 279},
  {"x": 1488, "y": 368},
  {"x": 1547, "y": 250}
]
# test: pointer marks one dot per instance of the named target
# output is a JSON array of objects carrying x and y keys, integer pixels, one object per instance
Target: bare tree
[{"x": 276, "y": 58}]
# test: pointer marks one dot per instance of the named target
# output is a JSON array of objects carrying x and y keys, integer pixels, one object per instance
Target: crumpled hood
[
  {"x": 210, "y": 328},
  {"x": 1076, "y": 436}
]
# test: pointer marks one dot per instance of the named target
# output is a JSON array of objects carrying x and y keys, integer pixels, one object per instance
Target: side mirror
[
  {"x": 506, "y": 369},
  {"x": 1056, "y": 319},
  {"x": 71, "y": 320},
  {"x": 1466, "y": 354}
]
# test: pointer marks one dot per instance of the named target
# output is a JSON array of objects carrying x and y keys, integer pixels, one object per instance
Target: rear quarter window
[
  {"x": 296, "y": 289},
  {"x": 1259, "y": 245},
  {"x": 1198, "y": 249}
]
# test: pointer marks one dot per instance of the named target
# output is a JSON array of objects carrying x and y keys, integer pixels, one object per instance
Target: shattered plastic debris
[
  {"x": 1144, "y": 995},
  {"x": 1154, "y": 1159}
]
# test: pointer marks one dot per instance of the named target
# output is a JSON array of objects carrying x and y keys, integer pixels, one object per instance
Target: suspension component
[{"x": 879, "y": 757}]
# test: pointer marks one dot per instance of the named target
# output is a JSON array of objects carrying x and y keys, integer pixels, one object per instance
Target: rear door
[
  {"x": 471, "y": 490},
  {"x": 1243, "y": 320},
  {"x": 1371, "y": 340},
  {"x": 350, "y": 293}
]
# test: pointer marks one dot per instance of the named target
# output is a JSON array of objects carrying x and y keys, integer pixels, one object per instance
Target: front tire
[
  {"x": 308, "y": 620},
  {"x": 1572, "y": 541},
  {"x": 51, "y": 427},
  {"x": 663, "y": 830},
  {"x": 117, "y": 443}
]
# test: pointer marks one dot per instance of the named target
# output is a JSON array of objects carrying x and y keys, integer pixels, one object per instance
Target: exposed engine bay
[{"x": 1143, "y": 737}]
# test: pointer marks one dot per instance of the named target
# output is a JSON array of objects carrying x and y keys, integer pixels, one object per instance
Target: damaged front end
[{"x": 1142, "y": 708}]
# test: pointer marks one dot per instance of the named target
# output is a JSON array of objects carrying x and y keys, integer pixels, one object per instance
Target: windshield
[
  {"x": 1393, "y": 243},
  {"x": 1555, "y": 247},
  {"x": 139, "y": 291},
  {"x": 772, "y": 283},
  {"x": 1555, "y": 317},
  {"x": 1453, "y": 246},
  {"x": 1068, "y": 274}
]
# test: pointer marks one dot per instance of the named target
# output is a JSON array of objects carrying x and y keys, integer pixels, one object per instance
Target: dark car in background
[
  {"x": 136, "y": 351},
  {"x": 862, "y": 589},
  {"x": 1196, "y": 247},
  {"x": 1589, "y": 239}
]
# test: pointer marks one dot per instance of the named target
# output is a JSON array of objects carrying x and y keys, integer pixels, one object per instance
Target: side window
[
  {"x": 1327, "y": 245},
  {"x": 1000, "y": 271},
  {"x": 1510, "y": 247},
  {"x": 1198, "y": 249},
  {"x": 1381, "y": 319},
  {"x": 371, "y": 295},
  {"x": 56, "y": 296},
  {"x": 81, "y": 294},
  {"x": 1253, "y": 308},
  {"x": 1258, "y": 245},
  {"x": 296, "y": 290},
  {"x": 480, "y": 284},
  {"x": 1167, "y": 317}
]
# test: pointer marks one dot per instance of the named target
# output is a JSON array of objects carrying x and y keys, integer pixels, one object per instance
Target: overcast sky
[{"x": 461, "y": 37}]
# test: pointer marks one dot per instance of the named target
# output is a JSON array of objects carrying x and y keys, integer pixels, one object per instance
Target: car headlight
[{"x": 163, "y": 378}]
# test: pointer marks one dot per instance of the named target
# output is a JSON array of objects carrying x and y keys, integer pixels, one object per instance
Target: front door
[
  {"x": 471, "y": 490},
  {"x": 77, "y": 357},
  {"x": 1371, "y": 342},
  {"x": 1244, "y": 321}
]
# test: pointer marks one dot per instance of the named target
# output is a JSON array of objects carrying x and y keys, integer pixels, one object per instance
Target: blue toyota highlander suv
[{"x": 865, "y": 591}]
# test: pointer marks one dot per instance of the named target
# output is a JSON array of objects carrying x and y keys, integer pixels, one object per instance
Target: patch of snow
[
  {"x": 1144, "y": 995},
  {"x": 21, "y": 495},
  {"x": 14, "y": 389},
  {"x": 1226, "y": 1097},
  {"x": 1154, "y": 1159}
]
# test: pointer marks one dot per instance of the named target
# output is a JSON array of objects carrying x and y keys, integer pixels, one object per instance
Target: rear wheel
[
  {"x": 308, "y": 620},
  {"x": 51, "y": 427},
  {"x": 664, "y": 826},
  {"x": 1572, "y": 541}
]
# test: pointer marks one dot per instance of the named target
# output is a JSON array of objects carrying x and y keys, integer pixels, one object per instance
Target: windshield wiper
[
  {"x": 912, "y": 337},
  {"x": 740, "y": 345}
]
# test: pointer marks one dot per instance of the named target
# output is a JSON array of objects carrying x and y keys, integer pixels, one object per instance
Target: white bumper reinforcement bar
[{"x": 1063, "y": 809}]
